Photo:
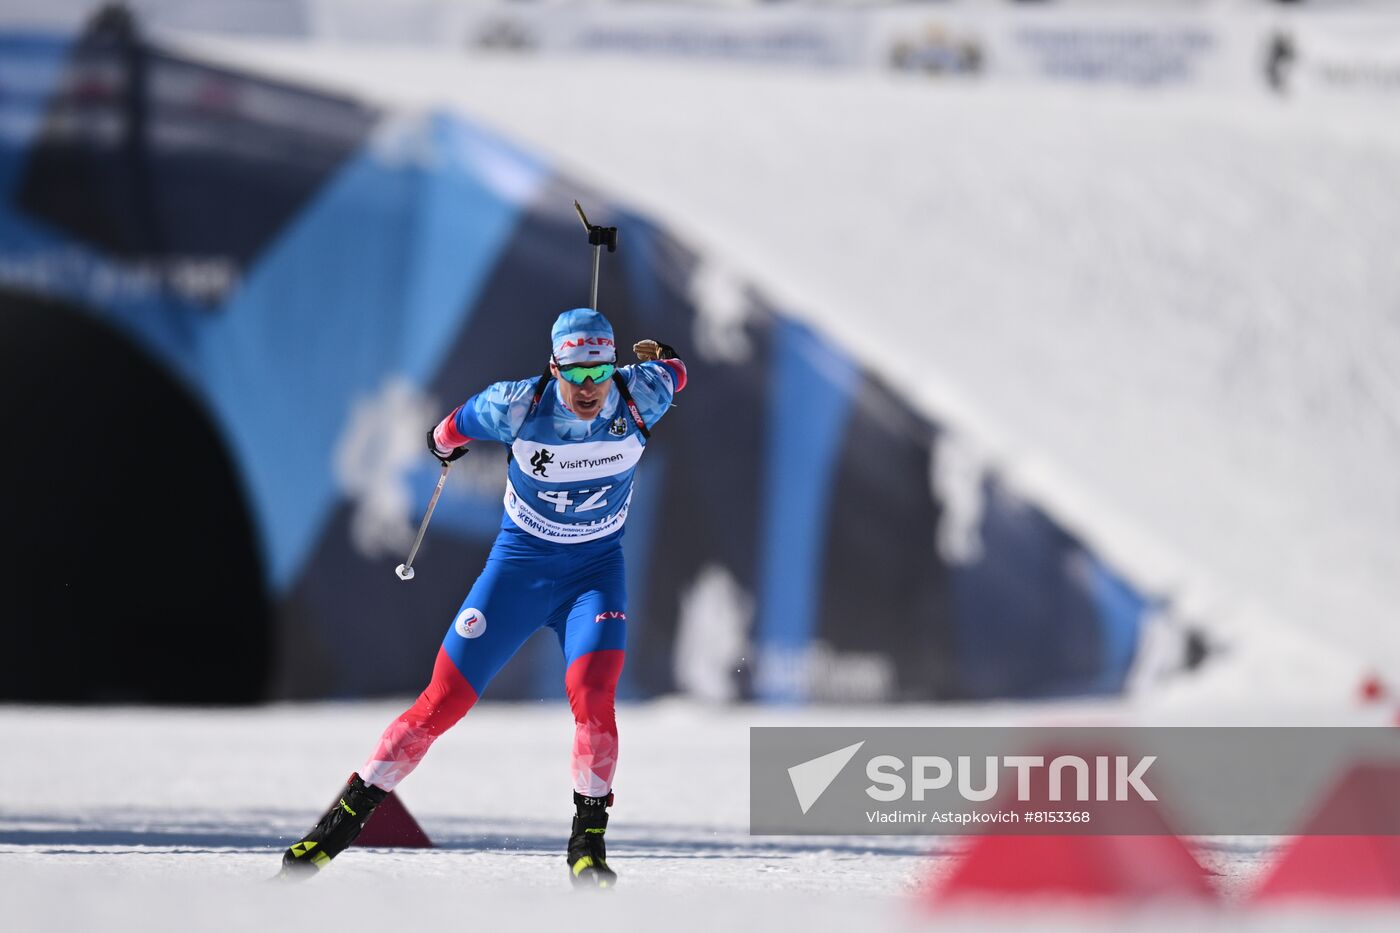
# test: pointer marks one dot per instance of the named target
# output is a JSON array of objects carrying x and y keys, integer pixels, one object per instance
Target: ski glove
[
  {"x": 455, "y": 453},
  {"x": 651, "y": 350}
]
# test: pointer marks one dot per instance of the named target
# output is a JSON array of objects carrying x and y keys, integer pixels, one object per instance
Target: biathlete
[{"x": 576, "y": 435}]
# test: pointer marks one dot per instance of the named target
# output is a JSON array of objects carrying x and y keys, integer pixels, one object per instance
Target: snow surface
[
  {"x": 1173, "y": 318},
  {"x": 141, "y": 819}
]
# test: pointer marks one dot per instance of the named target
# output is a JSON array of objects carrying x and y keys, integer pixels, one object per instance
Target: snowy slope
[{"x": 1174, "y": 318}]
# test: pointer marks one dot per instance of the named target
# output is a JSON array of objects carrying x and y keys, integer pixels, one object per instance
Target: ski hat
[{"x": 582, "y": 335}]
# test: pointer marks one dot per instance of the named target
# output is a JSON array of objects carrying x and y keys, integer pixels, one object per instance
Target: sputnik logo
[{"x": 811, "y": 778}]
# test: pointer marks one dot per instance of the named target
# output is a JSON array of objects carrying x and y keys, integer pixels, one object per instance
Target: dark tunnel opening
[{"x": 131, "y": 567}]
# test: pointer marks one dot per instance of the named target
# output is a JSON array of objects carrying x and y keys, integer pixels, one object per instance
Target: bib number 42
[{"x": 563, "y": 501}]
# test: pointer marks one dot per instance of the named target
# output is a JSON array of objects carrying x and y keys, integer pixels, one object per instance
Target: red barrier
[
  {"x": 1344, "y": 867},
  {"x": 1133, "y": 856},
  {"x": 392, "y": 826},
  {"x": 1132, "y": 868}
]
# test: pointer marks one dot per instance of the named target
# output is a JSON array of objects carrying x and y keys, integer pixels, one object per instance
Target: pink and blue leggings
[{"x": 577, "y": 590}]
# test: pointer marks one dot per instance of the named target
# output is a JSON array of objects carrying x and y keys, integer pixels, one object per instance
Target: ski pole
[
  {"x": 405, "y": 570},
  {"x": 598, "y": 237}
]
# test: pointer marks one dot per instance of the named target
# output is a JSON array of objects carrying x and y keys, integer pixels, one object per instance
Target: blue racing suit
[{"x": 556, "y": 562}]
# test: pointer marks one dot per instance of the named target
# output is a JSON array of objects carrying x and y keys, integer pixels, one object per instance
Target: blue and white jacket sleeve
[
  {"x": 654, "y": 385},
  {"x": 494, "y": 414}
]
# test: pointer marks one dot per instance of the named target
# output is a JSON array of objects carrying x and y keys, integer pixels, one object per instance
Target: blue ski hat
[{"x": 582, "y": 335}]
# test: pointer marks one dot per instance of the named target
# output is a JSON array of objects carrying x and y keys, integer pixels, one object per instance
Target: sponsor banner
[
  {"x": 775, "y": 36},
  {"x": 1123, "y": 48},
  {"x": 937, "y": 43},
  {"x": 1073, "y": 781},
  {"x": 1103, "y": 46},
  {"x": 1203, "y": 46},
  {"x": 1332, "y": 54}
]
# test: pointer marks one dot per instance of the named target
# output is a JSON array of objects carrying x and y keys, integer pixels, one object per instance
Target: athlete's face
[{"x": 583, "y": 400}]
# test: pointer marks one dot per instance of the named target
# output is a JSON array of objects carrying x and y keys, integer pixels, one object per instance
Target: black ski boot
[
  {"x": 335, "y": 831},
  {"x": 588, "y": 866}
]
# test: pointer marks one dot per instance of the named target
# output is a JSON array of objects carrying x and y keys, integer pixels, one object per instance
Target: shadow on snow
[{"x": 274, "y": 830}]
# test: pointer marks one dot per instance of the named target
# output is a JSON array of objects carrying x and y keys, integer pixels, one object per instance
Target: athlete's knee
[
  {"x": 591, "y": 683},
  {"x": 446, "y": 699},
  {"x": 593, "y": 704}
]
